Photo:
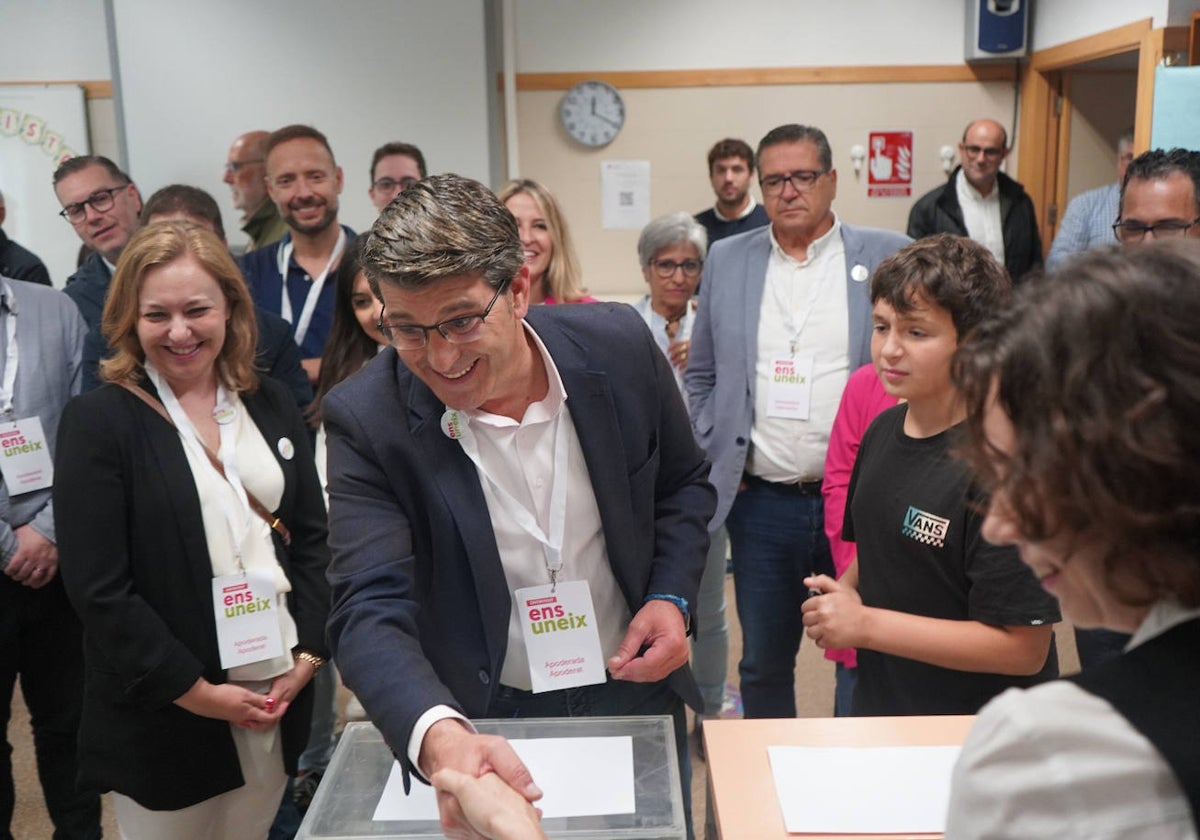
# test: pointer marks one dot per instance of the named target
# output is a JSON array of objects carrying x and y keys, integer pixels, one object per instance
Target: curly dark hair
[{"x": 1098, "y": 369}]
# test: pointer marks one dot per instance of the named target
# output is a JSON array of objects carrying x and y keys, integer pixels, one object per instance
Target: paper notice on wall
[{"x": 624, "y": 194}]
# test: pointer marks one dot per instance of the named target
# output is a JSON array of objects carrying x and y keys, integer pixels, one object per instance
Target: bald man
[
  {"x": 983, "y": 203},
  {"x": 245, "y": 173}
]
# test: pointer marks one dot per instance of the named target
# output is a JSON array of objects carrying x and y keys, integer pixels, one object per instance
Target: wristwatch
[{"x": 311, "y": 658}]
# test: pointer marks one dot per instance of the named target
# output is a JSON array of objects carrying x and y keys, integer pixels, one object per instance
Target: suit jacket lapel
[
  {"x": 596, "y": 426},
  {"x": 758, "y": 253},
  {"x": 167, "y": 451},
  {"x": 458, "y": 481},
  {"x": 860, "y": 321}
]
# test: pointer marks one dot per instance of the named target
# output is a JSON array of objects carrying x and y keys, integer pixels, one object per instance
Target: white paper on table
[
  {"x": 624, "y": 194},
  {"x": 578, "y": 777},
  {"x": 863, "y": 790}
]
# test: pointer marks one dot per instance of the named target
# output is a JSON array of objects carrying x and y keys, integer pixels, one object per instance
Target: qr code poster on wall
[{"x": 889, "y": 166}]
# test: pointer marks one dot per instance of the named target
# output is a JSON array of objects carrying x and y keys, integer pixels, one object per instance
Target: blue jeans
[
  {"x": 710, "y": 647},
  {"x": 320, "y": 745},
  {"x": 617, "y": 698},
  {"x": 778, "y": 538},
  {"x": 843, "y": 690}
]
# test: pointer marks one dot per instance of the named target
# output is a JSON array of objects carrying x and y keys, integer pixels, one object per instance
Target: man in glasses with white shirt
[
  {"x": 517, "y": 506},
  {"x": 103, "y": 205},
  {"x": 784, "y": 317},
  {"x": 980, "y": 201}
]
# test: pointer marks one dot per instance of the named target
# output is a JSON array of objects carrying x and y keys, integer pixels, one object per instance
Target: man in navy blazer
[
  {"x": 784, "y": 317},
  {"x": 456, "y": 456}
]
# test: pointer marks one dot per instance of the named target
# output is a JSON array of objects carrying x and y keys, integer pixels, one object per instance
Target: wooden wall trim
[
  {"x": 92, "y": 89},
  {"x": 1123, "y": 39},
  {"x": 1001, "y": 72}
]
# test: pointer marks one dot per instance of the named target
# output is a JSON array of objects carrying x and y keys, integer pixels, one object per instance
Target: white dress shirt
[
  {"x": 981, "y": 215},
  {"x": 808, "y": 295},
  {"x": 519, "y": 457}
]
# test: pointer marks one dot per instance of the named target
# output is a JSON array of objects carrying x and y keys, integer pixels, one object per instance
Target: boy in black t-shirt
[{"x": 943, "y": 621}]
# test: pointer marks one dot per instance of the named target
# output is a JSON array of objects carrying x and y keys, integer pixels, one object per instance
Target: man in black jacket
[{"x": 980, "y": 201}]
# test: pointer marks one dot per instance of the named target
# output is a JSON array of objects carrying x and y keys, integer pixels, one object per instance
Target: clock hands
[{"x": 613, "y": 123}]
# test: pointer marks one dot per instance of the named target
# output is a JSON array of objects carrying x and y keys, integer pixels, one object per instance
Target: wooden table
[{"x": 739, "y": 771}]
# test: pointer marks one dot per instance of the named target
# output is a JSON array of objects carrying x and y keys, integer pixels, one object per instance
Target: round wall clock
[{"x": 592, "y": 113}]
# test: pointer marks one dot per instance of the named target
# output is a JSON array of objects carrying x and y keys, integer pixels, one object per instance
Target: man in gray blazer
[
  {"x": 785, "y": 316},
  {"x": 41, "y": 640}
]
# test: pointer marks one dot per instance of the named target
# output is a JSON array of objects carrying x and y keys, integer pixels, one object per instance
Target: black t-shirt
[{"x": 912, "y": 514}]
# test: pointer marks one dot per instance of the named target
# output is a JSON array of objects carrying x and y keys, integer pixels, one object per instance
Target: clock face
[{"x": 592, "y": 113}]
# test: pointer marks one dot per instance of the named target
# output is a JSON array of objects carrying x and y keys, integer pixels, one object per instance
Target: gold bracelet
[{"x": 311, "y": 658}]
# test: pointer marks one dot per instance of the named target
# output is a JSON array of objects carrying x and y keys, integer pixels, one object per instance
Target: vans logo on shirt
[{"x": 925, "y": 527}]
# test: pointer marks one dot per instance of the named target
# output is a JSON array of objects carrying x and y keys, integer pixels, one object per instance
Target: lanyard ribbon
[
  {"x": 314, "y": 290},
  {"x": 456, "y": 426}
]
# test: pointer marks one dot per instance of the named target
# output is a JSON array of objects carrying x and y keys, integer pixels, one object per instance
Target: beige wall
[
  {"x": 1102, "y": 107},
  {"x": 674, "y": 128}
]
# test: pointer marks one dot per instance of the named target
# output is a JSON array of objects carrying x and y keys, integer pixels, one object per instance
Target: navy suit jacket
[
  {"x": 720, "y": 374},
  {"x": 420, "y": 603}
]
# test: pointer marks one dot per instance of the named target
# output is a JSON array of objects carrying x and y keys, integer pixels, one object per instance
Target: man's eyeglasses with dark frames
[
  {"x": 986, "y": 151},
  {"x": 233, "y": 166},
  {"x": 101, "y": 201},
  {"x": 458, "y": 330},
  {"x": 802, "y": 180},
  {"x": 666, "y": 268},
  {"x": 389, "y": 184},
  {"x": 1136, "y": 231}
]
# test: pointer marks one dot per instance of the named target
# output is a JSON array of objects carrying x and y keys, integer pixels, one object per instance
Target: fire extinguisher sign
[{"x": 889, "y": 168}]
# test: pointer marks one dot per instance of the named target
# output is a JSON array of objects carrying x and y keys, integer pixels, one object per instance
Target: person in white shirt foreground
[{"x": 1085, "y": 399}]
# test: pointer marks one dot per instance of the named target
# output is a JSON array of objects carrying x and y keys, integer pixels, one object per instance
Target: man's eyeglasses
[
  {"x": 986, "y": 151},
  {"x": 101, "y": 201},
  {"x": 233, "y": 166},
  {"x": 1136, "y": 231},
  {"x": 666, "y": 268},
  {"x": 802, "y": 180},
  {"x": 458, "y": 330},
  {"x": 389, "y": 184}
]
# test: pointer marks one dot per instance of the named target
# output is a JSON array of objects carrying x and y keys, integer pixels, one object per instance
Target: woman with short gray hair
[{"x": 671, "y": 250}]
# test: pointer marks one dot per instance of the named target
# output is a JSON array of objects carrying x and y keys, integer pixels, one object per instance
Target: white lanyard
[
  {"x": 456, "y": 426},
  {"x": 314, "y": 290},
  {"x": 10, "y": 358},
  {"x": 227, "y": 454},
  {"x": 789, "y": 319}
]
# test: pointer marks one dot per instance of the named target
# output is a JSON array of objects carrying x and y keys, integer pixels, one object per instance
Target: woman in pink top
[{"x": 863, "y": 399}]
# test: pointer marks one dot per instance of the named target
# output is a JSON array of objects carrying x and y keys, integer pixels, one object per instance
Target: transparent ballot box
[{"x": 345, "y": 803}]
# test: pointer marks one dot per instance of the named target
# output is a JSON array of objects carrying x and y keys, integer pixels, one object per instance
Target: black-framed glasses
[
  {"x": 233, "y": 166},
  {"x": 1136, "y": 231},
  {"x": 457, "y": 330},
  {"x": 802, "y": 180},
  {"x": 986, "y": 151},
  {"x": 101, "y": 201},
  {"x": 389, "y": 184},
  {"x": 667, "y": 268}
]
